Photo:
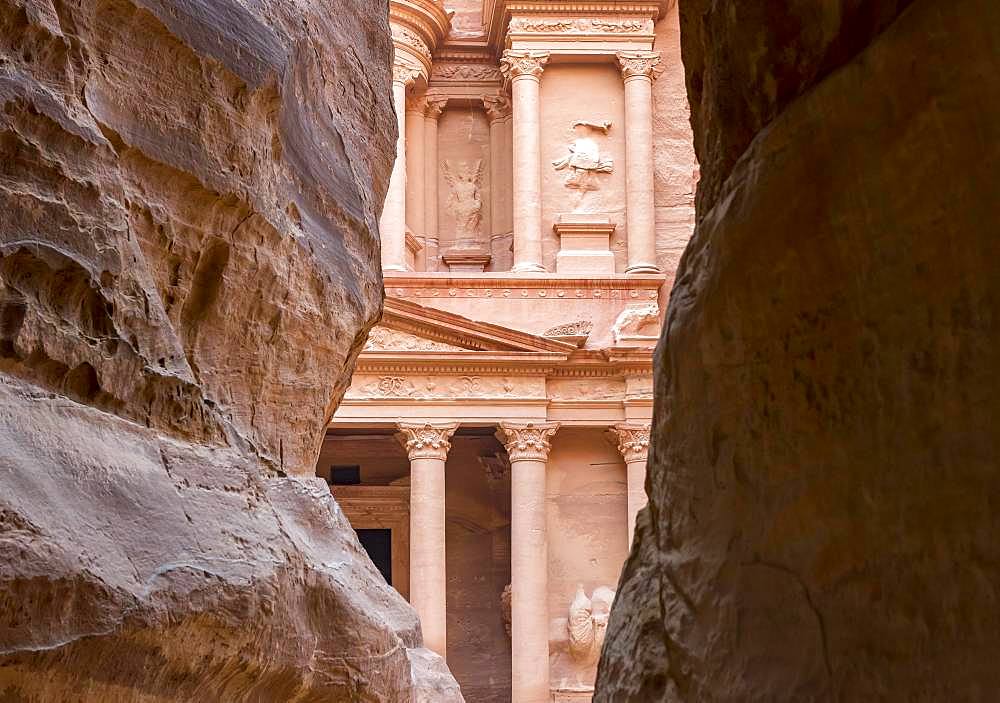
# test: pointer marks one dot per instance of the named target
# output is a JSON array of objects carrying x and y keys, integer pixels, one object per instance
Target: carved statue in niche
[
  {"x": 588, "y": 622},
  {"x": 465, "y": 201},
  {"x": 584, "y": 160}
]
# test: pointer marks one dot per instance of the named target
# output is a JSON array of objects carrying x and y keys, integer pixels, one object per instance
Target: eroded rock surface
[
  {"x": 188, "y": 265},
  {"x": 823, "y": 478}
]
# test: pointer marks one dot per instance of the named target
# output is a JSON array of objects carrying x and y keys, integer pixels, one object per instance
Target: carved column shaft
[
  {"x": 498, "y": 111},
  {"x": 427, "y": 446},
  {"x": 638, "y": 69},
  {"x": 392, "y": 222},
  {"x": 633, "y": 443},
  {"x": 415, "y": 166},
  {"x": 524, "y": 70},
  {"x": 435, "y": 106},
  {"x": 528, "y": 449}
]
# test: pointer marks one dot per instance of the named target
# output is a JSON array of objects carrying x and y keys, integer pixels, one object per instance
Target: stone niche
[
  {"x": 590, "y": 93},
  {"x": 464, "y": 188}
]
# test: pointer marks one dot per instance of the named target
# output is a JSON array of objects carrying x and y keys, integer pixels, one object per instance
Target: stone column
[
  {"x": 392, "y": 222},
  {"x": 415, "y": 166},
  {"x": 524, "y": 70},
  {"x": 497, "y": 110},
  {"x": 638, "y": 69},
  {"x": 427, "y": 446},
  {"x": 435, "y": 106},
  {"x": 528, "y": 449},
  {"x": 633, "y": 443}
]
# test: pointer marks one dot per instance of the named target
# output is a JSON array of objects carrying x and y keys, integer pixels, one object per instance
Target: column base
[
  {"x": 638, "y": 269},
  {"x": 528, "y": 268}
]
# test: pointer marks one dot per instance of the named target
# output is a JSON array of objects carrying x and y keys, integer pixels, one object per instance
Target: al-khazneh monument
[{"x": 491, "y": 448}]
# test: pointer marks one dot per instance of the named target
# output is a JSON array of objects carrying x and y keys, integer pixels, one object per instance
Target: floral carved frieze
[
  {"x": 532, "y": 293},
  {"x": 426, "y": 387},
  {"x": 586, "y": 389},
  {"x": 411, "y": 39},
  {"x": 464, "y": 72},
  {"x": 579, "y": 25},
  {"x": 569, "y": 329},
  {"x": 384, "y": 339}
]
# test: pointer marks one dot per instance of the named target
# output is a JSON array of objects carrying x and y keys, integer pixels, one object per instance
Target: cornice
[{"x": 498, "y": 13}]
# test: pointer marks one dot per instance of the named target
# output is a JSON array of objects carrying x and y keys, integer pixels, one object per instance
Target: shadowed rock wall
[
  {"x": 188, "y": 264},
  {"x": 823, "y": 481}
]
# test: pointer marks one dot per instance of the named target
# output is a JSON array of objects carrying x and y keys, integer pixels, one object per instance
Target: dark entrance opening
[{"x": 378, "y": 544}]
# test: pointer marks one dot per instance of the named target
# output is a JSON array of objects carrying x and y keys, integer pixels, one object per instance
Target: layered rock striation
[
  {"x": 188, "y": 267},
  {"x": 823, "y": 477}
]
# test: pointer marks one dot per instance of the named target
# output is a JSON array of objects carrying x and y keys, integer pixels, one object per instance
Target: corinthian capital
[
  {"x": 404, "y": 73},
  {"x": 633, "y": 441},
  {"x": 516, "y": 63},
  {"x": 435, "y": 105},
  {"x": 639, "y": 63},
  {"x": 423, "y": 440},
  {"x": 527, "y": 442},
  {"x": 497, "y": 107}
]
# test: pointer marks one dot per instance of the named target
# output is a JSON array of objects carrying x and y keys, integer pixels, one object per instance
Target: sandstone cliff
[
  {"x": 824, "y": 474},
  {"x": 188, "y": 263}
]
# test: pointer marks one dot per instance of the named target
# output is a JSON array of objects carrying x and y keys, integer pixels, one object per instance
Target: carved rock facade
[{"x": 188, "y": 268}]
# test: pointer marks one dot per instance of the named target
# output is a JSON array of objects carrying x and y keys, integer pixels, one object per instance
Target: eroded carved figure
[
  {"x": 583, "y": 160},
  {"x": 637, "y": 321},
  {"x": 465, "y": 200},
  {"x": 588, "y": 622}
]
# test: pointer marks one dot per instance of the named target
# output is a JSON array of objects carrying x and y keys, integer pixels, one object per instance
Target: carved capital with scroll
[
  {"x": 424, "y": 440},
  {"x": 517, "y": 63},
  {"x": 404, "y": 73},
  {"x": 497, "y": 107},
  {"x": 435, "y": 105},
  {"x": 527, "y": 442},
  {"x": 633, "y": 441},
  {"x": 639, "y": 63}
]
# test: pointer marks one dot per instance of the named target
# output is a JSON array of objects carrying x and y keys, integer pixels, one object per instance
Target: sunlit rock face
[
  {"x": 188, "y": 266},
  {"x": 823, "y": 476}
]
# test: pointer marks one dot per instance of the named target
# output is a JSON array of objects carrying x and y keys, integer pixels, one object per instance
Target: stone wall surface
[
  {"x": 823, "y": 477},
  {"x": 188, "y": 266}
]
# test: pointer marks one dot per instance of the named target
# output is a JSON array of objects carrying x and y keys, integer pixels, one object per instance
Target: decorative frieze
[
  {"x": 527, "y": 442},
  {"x": 429, "y": 387},
  {"x": 426, "y": 441},
  {"x": 517, "y": 63},
  {"x": 586, "y": 389},
  {"x": 579, "y": 25},
  {"x": 384, "y": 339},
  {"x": 633, "y": 441},
  {"x": 580, "y": 327},
  {"x": 469, "y": 72}
]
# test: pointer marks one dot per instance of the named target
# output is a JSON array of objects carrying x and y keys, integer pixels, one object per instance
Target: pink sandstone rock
[
  {"x": 823, "y": 474},
  {"x": 188, "y": 266}
]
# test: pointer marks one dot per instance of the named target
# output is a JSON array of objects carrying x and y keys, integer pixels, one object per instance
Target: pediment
[{"x": 409, "y": 327}]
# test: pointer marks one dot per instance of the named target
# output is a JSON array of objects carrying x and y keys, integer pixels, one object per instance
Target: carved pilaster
[
  {"x": 633, "y": 441},
  {"x": 528, "y": 442},
  {"x": 497, "y": 107},
  {"x": 639, "y": 63},
  {"x": 422, "y": 440},
  {"x": 517, "y": 63},
  {"x": 435, "y": 106}
]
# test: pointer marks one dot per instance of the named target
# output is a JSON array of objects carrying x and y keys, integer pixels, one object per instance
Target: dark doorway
[{"x": 378, "y": 544}]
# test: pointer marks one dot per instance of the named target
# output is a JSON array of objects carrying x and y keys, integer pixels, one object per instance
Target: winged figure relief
[
  {"x": 464, "y": 199},
  {"x": 588, "y": 622}
]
